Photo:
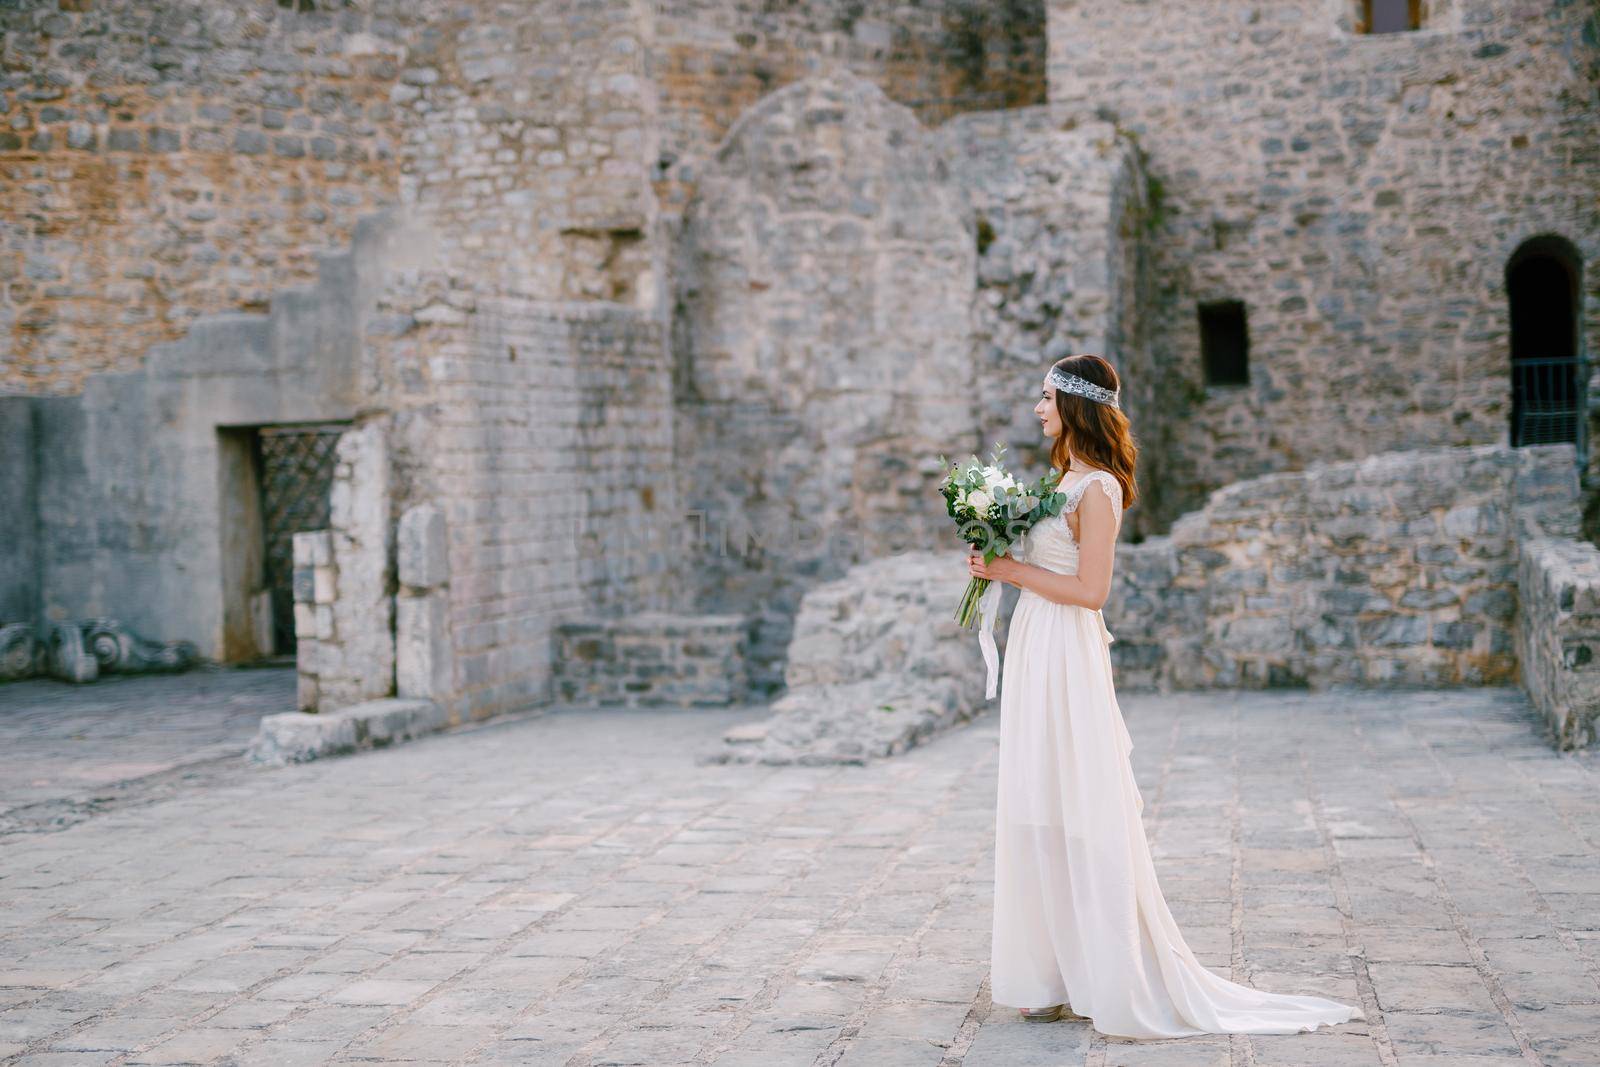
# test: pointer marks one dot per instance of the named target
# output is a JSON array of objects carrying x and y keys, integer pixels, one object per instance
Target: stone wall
[
  {"x": 163, "y": 160},
  {"x": 1558, "y": 635},
  {"x": 1398, "y": 569},
  {"x": 1057, "y": 211},
  {"x": 145, "y": 495},
  {"x": 822, "y": 351},
  {"x": 1360, "y": 194},
  {"x": 714, "y": 59},
  {"x": 877, "y": 666},
  {"x": 528, "y": 136},
  {"x": 859, "y": 294},
  {"x": 549, "y": 449},
  {"x": 167, "y": 160},
  {"x": 652, "y": 659},
  {"x": 19, "y": 511}
]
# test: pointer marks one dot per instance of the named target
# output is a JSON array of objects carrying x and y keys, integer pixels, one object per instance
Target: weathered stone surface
[
  {"x": 859, "y": 294},
  {"x": 295, "y": 737},
  {"x": 424, "y": 662},
  {"x": 708, "y": 263},
  {"x": 1558, "y": 635},
  {"x": 350, "y": 656},
  {"x": 422, "y": 548},
  {"x": 877, "y": 666},
  {"x": 590, "y": 889},
  {"x": 1348, "y": 573},
  {"x": 651, "y": 659},
  {"x": 1295, "y": 158}
]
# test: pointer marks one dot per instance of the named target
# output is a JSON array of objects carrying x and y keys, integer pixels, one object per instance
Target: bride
[{"x": 1078, "y": 916}]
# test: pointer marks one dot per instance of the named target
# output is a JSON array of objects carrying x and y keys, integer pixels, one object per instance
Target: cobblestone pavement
[
  {"x": 66, "y": 750},
  {"x": 573, "y": 889}
]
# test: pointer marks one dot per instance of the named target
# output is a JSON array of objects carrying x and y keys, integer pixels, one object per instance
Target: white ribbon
[{"x": 988, "y": 607}]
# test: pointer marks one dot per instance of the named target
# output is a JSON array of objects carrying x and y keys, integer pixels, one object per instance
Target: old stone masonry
[
  {"x": 551, "y": 395},
  {"x": 482, "y": 357}
]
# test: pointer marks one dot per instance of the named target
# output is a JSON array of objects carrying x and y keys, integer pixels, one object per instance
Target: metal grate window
[
  {"x": 296, "y": 471},
  {"x": 1546, "y": 376}
]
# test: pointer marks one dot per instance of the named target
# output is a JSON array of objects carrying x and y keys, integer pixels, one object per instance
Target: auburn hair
[{"x": 1094, "y": 432}]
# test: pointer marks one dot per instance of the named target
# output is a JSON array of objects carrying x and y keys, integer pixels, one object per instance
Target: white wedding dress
[{"x": 1078, "y": 916}]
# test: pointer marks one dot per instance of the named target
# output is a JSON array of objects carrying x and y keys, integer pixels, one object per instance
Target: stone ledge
[{"x": 296, "y": 737}]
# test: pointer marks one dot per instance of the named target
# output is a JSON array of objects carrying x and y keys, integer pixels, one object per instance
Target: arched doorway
[{"x": 1543, "y": 282}]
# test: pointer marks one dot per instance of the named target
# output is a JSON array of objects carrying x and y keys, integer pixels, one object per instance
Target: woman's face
[{"x": 1049, "y": 417}]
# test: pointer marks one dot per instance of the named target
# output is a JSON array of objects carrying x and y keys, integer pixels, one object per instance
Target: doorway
[
  {"x": 276, "y": 482},
  {"x": 1543, "y": 282},
  {"x": 296, "y": 473}
]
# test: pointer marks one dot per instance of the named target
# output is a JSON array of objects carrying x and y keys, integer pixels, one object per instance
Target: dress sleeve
[{"x": 1113, "y": 488}]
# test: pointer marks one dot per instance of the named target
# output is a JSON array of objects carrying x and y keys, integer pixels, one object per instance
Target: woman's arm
[{"x": 1089, "y": 588}]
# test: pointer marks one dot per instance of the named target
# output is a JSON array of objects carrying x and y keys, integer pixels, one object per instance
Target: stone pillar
[
  {"x": 343, "y": 600},
  {"x": 424, "y": 665},
  {"x": 316, "y": 584}
]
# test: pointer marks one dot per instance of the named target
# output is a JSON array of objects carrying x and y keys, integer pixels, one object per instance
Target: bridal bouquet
[{"x": 992, "y": 509}]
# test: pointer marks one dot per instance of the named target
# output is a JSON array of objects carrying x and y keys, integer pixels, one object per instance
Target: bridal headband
[{"x": 1063, "y": 382}]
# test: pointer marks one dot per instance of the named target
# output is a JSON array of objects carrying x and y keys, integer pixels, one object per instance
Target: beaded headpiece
[{"x": 1063, "y": 382}]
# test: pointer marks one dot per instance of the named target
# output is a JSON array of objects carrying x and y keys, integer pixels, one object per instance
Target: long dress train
[{"x": 1078, "y": 916}]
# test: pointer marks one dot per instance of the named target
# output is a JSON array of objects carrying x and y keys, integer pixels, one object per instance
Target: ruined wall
[
  {"x": 1057, "y": 210},
  {"x": 1361, "y": 195},
  {"x": 161, "y": 161},
  {"x": 1396, "y": 569},
  {"x": 713, "y": 59},
  {"x": 1559, "y": 582},
  {"x": 822, "y": 348}
]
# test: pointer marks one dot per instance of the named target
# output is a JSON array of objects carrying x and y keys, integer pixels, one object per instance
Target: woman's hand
[{"x": 1003, "y": 569}]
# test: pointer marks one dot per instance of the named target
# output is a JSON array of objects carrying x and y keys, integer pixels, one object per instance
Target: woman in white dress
[{"x": 1078, "y": 916}]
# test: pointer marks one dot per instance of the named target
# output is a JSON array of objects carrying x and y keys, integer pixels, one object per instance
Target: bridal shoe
[{"x": 1042, "y": 1015}]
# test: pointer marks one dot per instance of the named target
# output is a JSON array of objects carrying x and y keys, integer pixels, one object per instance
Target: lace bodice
[{"x": 1050, "y": 543}]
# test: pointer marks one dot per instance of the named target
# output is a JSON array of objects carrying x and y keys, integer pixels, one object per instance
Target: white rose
[{"x": 979, "y": 501}]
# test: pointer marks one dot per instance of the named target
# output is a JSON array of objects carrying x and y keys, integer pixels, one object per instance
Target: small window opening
[
  {"x": 1224, "y": 343},
  {"x": 1391, "y": 16}
]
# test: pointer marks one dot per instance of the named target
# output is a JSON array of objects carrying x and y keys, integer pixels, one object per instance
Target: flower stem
[{"x": 967, "y": 610}]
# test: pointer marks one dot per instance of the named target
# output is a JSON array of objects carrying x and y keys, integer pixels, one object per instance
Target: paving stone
[
  {"x": 68, "y": 739},
  {"x": 399, "y": 894},
  {"x": 374, "y": 991},
  {"x": 273, "y": 1053},
  {"x": 418, "y": 1041},
  {"x": 191, "y": 1046},
  {"x": 117, "y": 1033},
  {"x": 1450, "y": 1032},
  {"x": 29, "y": 1022}
]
